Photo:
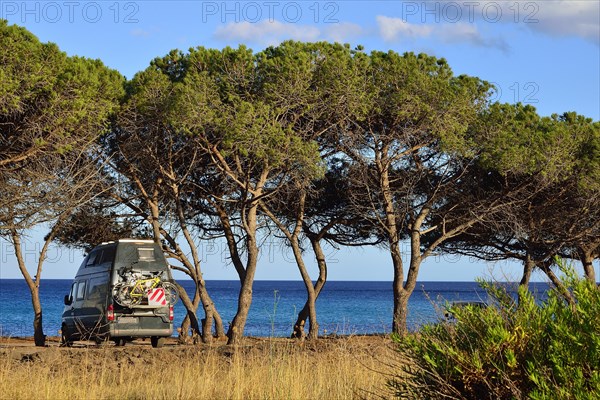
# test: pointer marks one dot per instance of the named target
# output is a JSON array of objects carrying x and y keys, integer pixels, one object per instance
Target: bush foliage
[{"x": 527, "y": 350}]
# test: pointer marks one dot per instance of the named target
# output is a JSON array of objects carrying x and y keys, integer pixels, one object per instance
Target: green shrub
[{"x": 548, "y": 350}]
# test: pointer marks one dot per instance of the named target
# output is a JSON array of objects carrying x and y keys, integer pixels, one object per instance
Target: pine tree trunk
[
  {"x": 401, "y": 313},
  {"x": 313, "y": 332},
  {"x": 38, "y": 332},
  {"x": 400, "y": 300},
  {"x": 587, "y": 260},
  {"x": 211, "y": 316},
  {"x": 186, "y": 323},
  {"x": 189, "y": 306},
  {"x": 249, "y": 222},
  {"x": 33, "y": 285},
  {"x": 528, "y": 266},
  {"x": 558, "y": 284},
  {"x": 400, "y": 310},
  {"x": 236, "y": 329},
  {"x": 403, "y": 291},
  {"x": 303, "y": 315}
]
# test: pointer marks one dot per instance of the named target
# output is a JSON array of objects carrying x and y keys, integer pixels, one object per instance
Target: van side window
[
  {"x": 81, "y": 290},
  {"x": 98, "y": 288},
  {"x": 92, "y": 258},
  {"x": 84, "y": 262},
  {"x": 108, "y": 255},
  {"x": 72, "y": 292}
]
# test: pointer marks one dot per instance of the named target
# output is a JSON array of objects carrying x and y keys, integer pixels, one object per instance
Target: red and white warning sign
[{"x": 156, "y": 297}]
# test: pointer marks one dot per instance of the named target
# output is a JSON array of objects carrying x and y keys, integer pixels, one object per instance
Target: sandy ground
[
  {"x": 54, "y": 341},
  {"x": 24, "y": 349}
]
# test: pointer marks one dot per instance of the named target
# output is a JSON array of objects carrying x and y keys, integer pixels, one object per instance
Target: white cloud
[
  {"x": 266, "y": 32},
  {"x": 575, "y": 18},
  {"x": 274, "y": 32},
  {"x": 562, "y": 18},
  {"x": 393, "y": 29},
  {"x": 459, "y": 33},
  {"x": 569, "y": 18},
  {"x": 558, "y": 18},
  {"x": 468, "y": 33},
  {"x": 396, "y": 29}
]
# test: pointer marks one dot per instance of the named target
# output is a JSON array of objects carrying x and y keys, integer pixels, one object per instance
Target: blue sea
[{"x": 342, "y": 308}]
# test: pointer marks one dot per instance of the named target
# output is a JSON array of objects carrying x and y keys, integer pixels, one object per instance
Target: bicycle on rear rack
[{"x": 135, "y": 291}]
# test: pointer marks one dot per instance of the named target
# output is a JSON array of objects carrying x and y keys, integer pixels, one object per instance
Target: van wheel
[
  {"x": 120, "y": 341},
  {"x": 65, "y": 338},
  {"x": 157, "y": 342}
]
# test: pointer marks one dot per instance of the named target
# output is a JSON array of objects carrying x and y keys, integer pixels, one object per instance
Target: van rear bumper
[
  {"x": 141, "y": 327},
  {"x": 117, "y": 332}
]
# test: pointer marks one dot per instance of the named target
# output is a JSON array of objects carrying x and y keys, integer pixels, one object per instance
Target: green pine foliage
[
  {"x": 530, "y": 350},
  {"x": 48, "y": 100}
]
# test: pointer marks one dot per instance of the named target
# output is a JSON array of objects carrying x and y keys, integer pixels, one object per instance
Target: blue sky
[{"x": 544, "y": 53}]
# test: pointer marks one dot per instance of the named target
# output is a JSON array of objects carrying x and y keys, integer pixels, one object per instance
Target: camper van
[{"x": 123, "y": 290}]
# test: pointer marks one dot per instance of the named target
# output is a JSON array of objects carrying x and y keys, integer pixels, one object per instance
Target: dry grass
[{"x": 340, "y": 368}]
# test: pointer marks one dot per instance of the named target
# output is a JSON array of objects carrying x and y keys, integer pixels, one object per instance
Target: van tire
[
  {"x": 65, "y": 338},
  {"x": 157, "y": 342},
  {"x": 120, "y": 341},
  {"x": 101, "y": 341}
]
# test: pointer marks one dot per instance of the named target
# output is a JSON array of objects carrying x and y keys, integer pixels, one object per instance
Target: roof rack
[
  {"x": 127, "y": 241},
  {"x": 136, "y": 241}
]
